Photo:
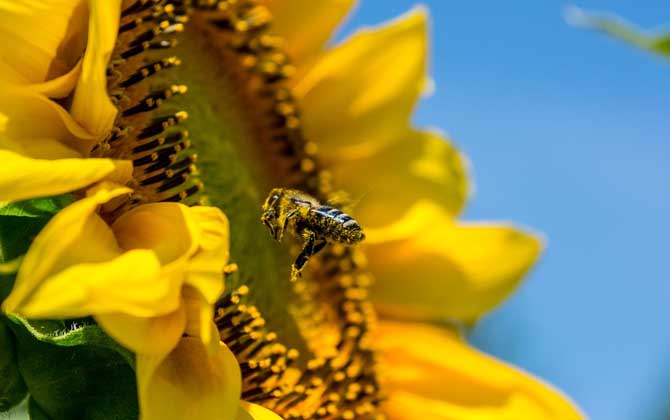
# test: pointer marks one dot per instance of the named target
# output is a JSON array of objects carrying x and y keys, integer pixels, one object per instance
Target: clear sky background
[{"x": 568, "y": 133}]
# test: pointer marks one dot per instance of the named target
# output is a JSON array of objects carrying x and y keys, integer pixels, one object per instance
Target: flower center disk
[{"x": 205, "y": 116}]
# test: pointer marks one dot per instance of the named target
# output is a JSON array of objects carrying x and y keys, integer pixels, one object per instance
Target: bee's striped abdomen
[{"x": 338, "y": 225}]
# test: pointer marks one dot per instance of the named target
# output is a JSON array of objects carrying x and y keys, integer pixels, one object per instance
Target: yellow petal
[
  {"x": 205, "y": 271},
  {"x": 150, "y": 336},
  {"x": 23, "y": 178},
  {"x": 76, "y": 235},
  {"x": 129, "y": 283},
  {"x": 74, "y": 269},
  {"x": 166, "y": 228},
  {"x": 420, "y": 166},
  {"x": 427, "y": 266},
  {"x": 61, "y": 86},
  {"x": 189, "y": 383},
  {"x": 199, "y": 315},
  {"x": 249, "y": 411},
  {"x": 41, "y": 40},
  {"x": 433, "y": 375},
  {"x": 32, "y": 119},
  {"x": 91, "y": 105},
  {"x": 360, "y": 95},
  {"x": 306, "y": 25}
]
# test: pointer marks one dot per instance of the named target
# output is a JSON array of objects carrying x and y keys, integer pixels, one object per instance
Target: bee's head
[{"x": 270, "y": 212}]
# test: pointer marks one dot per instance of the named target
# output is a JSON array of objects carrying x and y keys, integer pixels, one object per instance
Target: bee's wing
[{"x": 343, "y": 200}]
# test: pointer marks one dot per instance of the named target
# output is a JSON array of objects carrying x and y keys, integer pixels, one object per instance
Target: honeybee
[{"x": 316, "y": 224}]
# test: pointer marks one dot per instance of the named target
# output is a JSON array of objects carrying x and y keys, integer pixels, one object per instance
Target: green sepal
[
  {"x": 39, "y": 207},
  {"x": 73, "y": 333},
  {"x": 74, "y": 381},
  {"x": 12, "y": 388}
]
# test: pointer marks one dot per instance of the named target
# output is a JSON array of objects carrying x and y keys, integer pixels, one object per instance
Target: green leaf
[
  {"x": 40, "y": 207},
  {"x": 20, "y": 222},
  {"x": 35, "y": 411},
  {"x": 77, "y": 381},
  {"x": 616, "y": 27},
  {"x": 73, "y": 333},
  {"x": 17, "y": 233},
  {"x": 6, "y": 284},
  {"x": 12, "y": 388}
]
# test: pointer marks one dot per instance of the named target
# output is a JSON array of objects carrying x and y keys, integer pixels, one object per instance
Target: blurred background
[{"x": 568, "y": 134}]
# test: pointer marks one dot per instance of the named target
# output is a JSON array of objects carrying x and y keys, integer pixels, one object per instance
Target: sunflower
[{"x": 165, "y": 123}]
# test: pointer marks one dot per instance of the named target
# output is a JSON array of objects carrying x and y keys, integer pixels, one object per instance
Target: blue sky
[{"x": 568, "y": 134}]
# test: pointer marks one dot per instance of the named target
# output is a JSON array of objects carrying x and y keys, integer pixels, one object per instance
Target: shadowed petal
[
  {"x": 31, "y": 118},
  {"x": 91, "y": 105},
  {"x": 189, "y": 382},
  {"x": 166, "y": 228},
  {"x": 149, "y": 335},
  {"x": 41, "y": 40}
]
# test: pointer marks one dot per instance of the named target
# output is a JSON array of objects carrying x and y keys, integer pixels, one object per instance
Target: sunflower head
[{"x": 169, "y": 131}]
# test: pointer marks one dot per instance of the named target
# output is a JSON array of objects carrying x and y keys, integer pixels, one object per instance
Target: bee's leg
[
  {"x": 282, "y": 228},
  {"x": 303, "y": 257},
  {"x": 319, "y": 246}
]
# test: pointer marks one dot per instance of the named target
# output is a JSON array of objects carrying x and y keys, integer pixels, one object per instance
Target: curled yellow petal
[
  {"x": 292, "y": 19},
  {"x": 145, "y": 335},
  {"x": 91, "y": 105},
  {"x": 199, "y": 315},
  {"x": 422, "y": 166},
  {"x": 206, "y": 266},
  {"x": 189, "y": 383},
  {"x": 430, "y": 374},
  {"x": 359, "y": 96},
  {"x": 165, "y": 228},
  {"x": 33, "y": 120},
  {"x": 126, "y": 283},
  {"x": 76, "y": 235},
  {"x": 249, "y": 411},
  {"x": 74, "y": 268},
  {"x": 23, "y": 178},
  {"x": 41, "y": 40},
  {"x": 430, "y": 267}
]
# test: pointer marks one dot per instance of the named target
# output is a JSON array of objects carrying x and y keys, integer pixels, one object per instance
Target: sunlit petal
[
  {"x": 293, "y": 19},
  {"x": 128, "y": 283},
  {"x": 60, "y": 244},
  {"x": 359, "y": 96},
  {"x": 23, "y": 178},
  {"x": 249, "y": 411},
  {"x": 430, "y": 267},
  {"x": 420, "y": 166},
  {"x": 431, "y": 374}
]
